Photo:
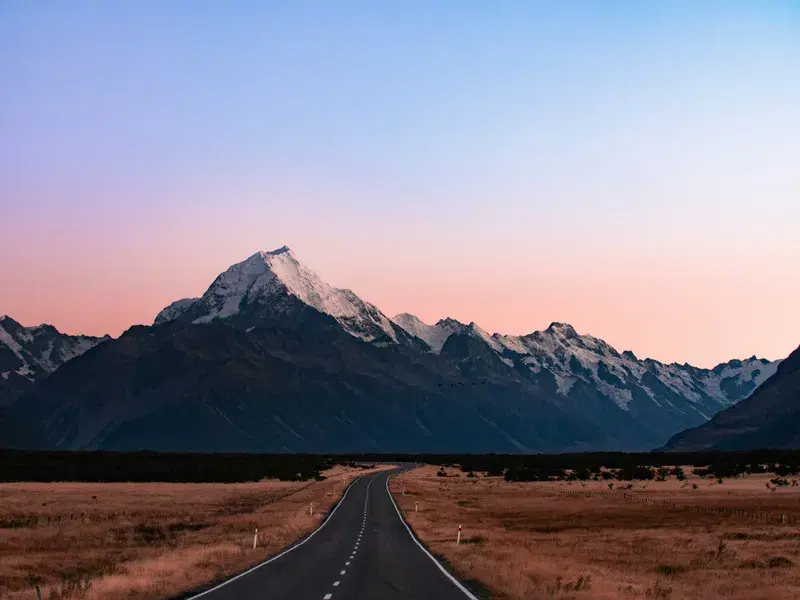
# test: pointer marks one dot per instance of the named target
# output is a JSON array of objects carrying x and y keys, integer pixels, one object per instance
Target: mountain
[
  {"x": 586, "y": 373},
  {"x": 275, "y": 289},
  {"x": 30, "y": 353},
  {"x": 433, "y": 335},
  {"x": 213, "y": 387},
  {"x": 769, "y": 418},
  {"x": 272, "y": 358}
]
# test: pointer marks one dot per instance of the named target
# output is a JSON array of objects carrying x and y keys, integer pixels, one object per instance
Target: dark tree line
[
  {"x": 189, "y": 467},
  {"x": 152, "y": 466}
]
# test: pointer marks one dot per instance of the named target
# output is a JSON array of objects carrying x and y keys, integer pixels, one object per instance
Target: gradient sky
[{"x": 632, "y": 168}]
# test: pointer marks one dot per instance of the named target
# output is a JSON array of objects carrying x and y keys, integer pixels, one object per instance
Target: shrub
[
  {"x": 662, "y": 474},
  {"x": 779, "y": 562},
  {"x": 668, "y": 570}
]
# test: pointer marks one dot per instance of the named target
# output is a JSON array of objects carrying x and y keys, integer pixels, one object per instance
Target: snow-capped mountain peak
[
  {"x": 28, "y": 353},
  {"x": 561, "y": 353},
  {"x": 433, "y": 335},
  {"x": 261, "y": 285},
  {"x": 564, "y": 330}
]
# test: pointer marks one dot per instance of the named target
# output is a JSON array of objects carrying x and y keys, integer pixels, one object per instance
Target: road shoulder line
[
  {"x": 284, "y": 552},
  {"x": 454, "y": 581}
]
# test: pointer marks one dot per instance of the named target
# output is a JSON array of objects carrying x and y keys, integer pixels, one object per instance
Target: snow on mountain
[
  {"x": 436, "y": 335},
  {"x": 28, "y": 353},
  {"x": 173, "y": 310},
  {"x": 433, "y": 335},
  {"x": 263, "y": 281},
  {"x": 570, "y": 357},
  {"x": 41, "y": 347},
  {"x": 565, "y": 353},
  {"x": 274, "y": 287}
]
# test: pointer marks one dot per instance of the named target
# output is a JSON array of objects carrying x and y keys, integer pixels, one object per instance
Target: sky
[{"x": 631, "y": 168}]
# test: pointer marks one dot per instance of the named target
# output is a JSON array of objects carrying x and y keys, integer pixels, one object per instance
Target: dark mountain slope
[
  {"x": 769, "y": 418},
  {"x": 214, "y": 387}
]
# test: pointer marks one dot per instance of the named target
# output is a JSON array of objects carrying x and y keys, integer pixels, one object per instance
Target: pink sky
[
  {"x": 666, "y": 306},
  {"x": 631, "y": 170}
]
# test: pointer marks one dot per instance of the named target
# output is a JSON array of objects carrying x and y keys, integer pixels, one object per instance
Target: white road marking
[
  {"x": 327, "y": 597},
  {"x": 295, "y": 547},
  {"x": 455, "y": 581},
  {"x": 336, "y": 583},
  {"x": 342, "y": 572},
  {"x": 347, "y": 564}
]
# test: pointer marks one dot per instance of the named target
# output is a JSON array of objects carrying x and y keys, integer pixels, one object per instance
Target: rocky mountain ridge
[{"x": 294, "y": 340}]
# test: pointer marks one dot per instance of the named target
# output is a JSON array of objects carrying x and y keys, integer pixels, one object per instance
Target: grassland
[
  {"x": 147, "y": 541},
  {"x": 694, "y": 540}
]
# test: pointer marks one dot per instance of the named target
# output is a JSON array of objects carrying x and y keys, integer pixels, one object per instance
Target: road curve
[{"x": 363, "y": 551}]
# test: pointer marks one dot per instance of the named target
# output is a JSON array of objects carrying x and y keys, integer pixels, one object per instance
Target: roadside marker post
[
  {"x": 458, "y": 539},
  {"x": 311, "y": 509},
  {"x": 416, "y": 506},
  {"x": 255, "y": 539},
  {"x": 38, "y": 593}
]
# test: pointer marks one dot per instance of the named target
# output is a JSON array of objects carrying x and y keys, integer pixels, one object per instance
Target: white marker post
[
  {"x": 416, "y": 506},
  {"x": 311, "y": 509},
  {"x": 458, "y": 539},
  {"x": 255, "y": 539}
]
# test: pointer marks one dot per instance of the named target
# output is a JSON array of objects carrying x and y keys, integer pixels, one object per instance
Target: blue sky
[{"x": 534, "y": 142}]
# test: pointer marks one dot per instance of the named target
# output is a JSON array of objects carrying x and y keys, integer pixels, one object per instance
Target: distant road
[{"x": 364, "y": 551}]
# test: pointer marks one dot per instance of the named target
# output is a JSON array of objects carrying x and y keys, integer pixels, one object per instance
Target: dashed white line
[
  {"x": 336, "y": 583},
  {"x": 288, "y": 550},
  {"x": 327, "y": 597},
  {"x": 342, "y": 572},
  {"x": 347, "y": 564}
]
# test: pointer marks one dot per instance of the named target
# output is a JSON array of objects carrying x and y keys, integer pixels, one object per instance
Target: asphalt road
[{"x": 364, "y": 551}]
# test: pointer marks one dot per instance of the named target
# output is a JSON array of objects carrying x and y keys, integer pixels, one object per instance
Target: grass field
[
  {"x": 147, "y": 541},
  {"x": 666, "y": 540}
]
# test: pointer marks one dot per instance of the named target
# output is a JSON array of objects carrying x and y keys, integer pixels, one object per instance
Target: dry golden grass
[
  {"x": 532, "y": 540},
  {"x": 143, "y": 541}
]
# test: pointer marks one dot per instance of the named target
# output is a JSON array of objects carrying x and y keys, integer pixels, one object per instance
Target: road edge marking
[
  {"x": 454, "y": 581},
  {"x": 289, "y": 549}
]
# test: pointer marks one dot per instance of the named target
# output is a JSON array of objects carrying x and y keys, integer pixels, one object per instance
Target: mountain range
[
  {"x": 272, "y": 358},
  {"x": 29, "y": 353},
  {"x": 769, "y": 418}
]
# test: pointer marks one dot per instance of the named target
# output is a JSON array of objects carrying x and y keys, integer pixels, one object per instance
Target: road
[{"x": 363, "y": 551}]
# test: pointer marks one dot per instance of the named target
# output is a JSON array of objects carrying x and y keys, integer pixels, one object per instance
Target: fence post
[
  {"x": 458, "y": 539},
  {"x": 255, "y": 539},
  {"x": 311, "y": 509}
]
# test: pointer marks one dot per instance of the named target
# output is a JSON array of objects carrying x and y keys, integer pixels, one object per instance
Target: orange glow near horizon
[{"x": 660, "y": 309}]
